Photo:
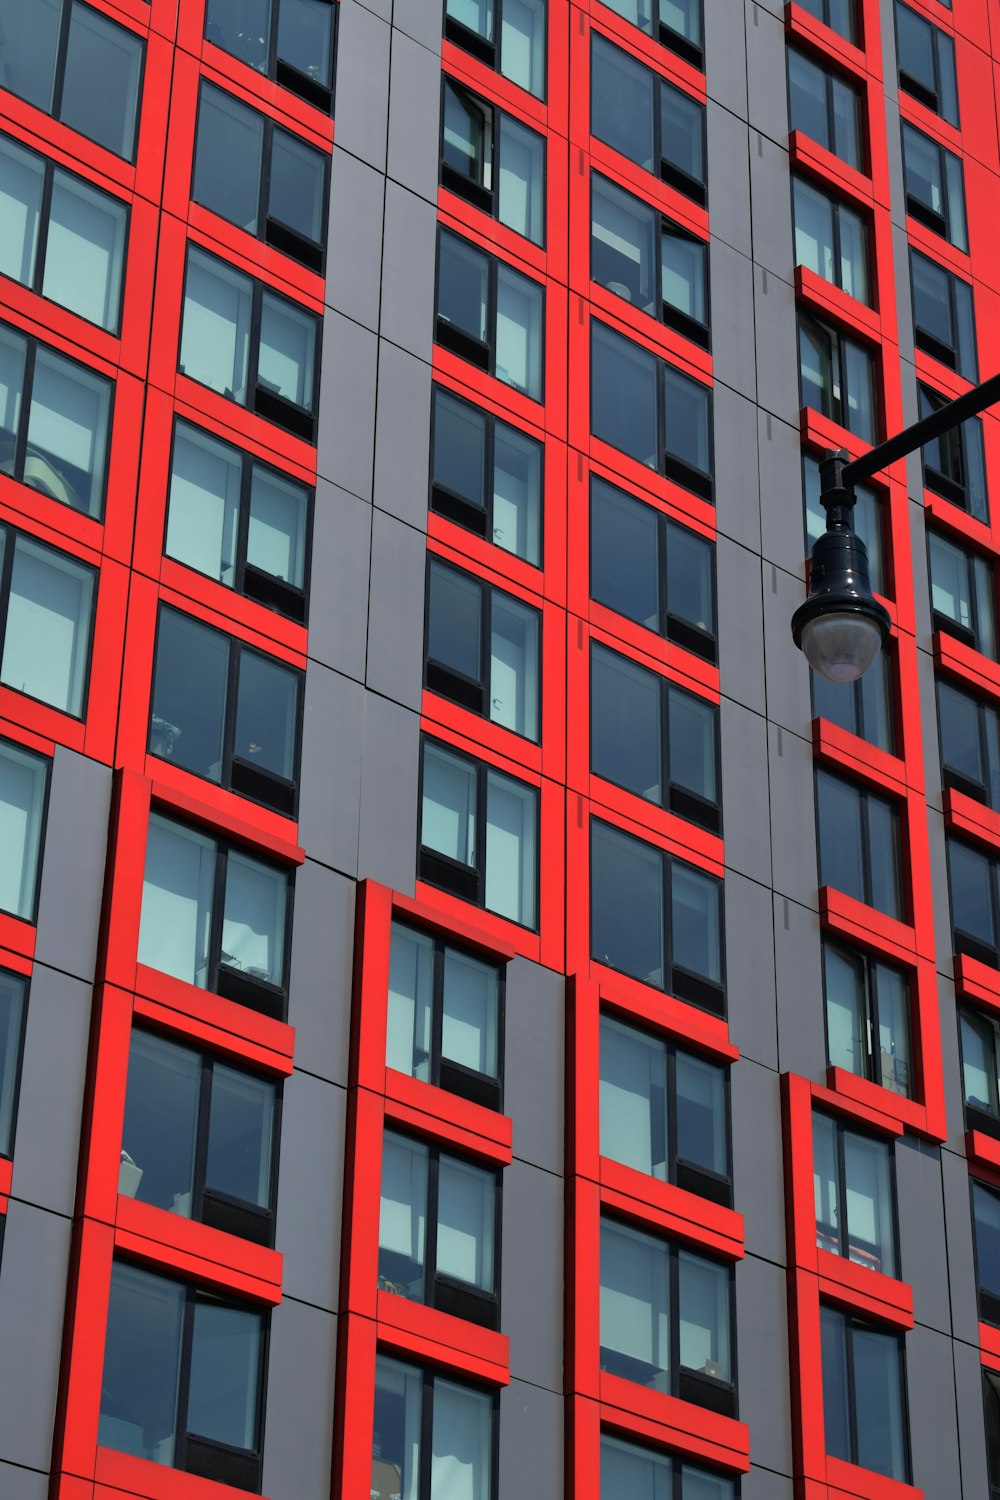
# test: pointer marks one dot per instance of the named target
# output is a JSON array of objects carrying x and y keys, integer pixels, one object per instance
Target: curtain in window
[
  {"x": 47, "y": 639},
  {"x": 633, "y": 1099},
  {"x": 704, "y": 1315},
  {"x": 978, "y": 1069},
  {"x": 204, "y": 504},
  {"x": 511, "y": 848},
  {"x": 215, "y": 335},
  {"x": 83, "y": 253},
  {"x": 825, "y": 1192},
  {"x": 460, "y": 1443},
  {"x": 68, "y": 432},
  {"x": 177, "y": 901},
  {"x": 277, "y": 535},
  {"x": 448, "y": 818},
  {"x": 225, "y": 1365},
  {"x": 411, "y": 980},
  {"x": 469, "y": 1027},
  {"x": 844, "y": 1013},
  {"x": 21, "y": 176},
  {"x": 869, "y": 1203},
  {"x": 466, "y": 1197},
  {"x": 893, "y": 1029},
  {"x": 253, "y": 927}
]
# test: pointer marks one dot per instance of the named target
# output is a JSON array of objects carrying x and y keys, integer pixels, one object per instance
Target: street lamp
[{"x": 841, "y": 627}]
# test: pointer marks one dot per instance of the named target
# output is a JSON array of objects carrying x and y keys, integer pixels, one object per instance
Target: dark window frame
[
  {"x": 428, "y": 1376},
  {"x": 964, "y": 362},
  {"x": 823, "y": 7},
  {"x": 23, "y": 983},
  {"x": 972, "y": 635},
  {"x": 821, "y": 188},
  {"x": 946, "y": 485},
  {"x": 491, "y": 53},
  {"x": 301, "y": 421},
  {"x": 445, "y": 1293},
  {"x": 950, "y": 776},
  {"x": 285, "y": 74},
  {"x": 482, "y": 353},
  {"x": 43, "y": 817},
  {"x": 668, "y": 170},
  {"x": 831, "y": 77},
  {"x": 842, "y": 1129},
  {"x": 864, "y": 794},
  {"x": 866, "y": 1325},
  {"x": 987, "y": 1028},
  {"x": 938, "y": 223},
  {"x": 931, "y": 98},
  {"x": 270, "y": 231},
  {"x": 838, "y": 343},
  {"x": 10, "y": 536},
  {"x": 962, "y": 940},
  {"x": 272, "y": 593},
  {"x": 487, "y": 199},
  {"x": 989, "y": 1302},
  {"x": 865, "y": 966},
  {"x": 991, "y": 1414},
  {"x": 237, "y": 775}
]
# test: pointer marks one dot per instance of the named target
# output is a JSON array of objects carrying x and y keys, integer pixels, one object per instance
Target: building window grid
[
  {"x": 685, "y": 171},
  {"x": 38, "y": 658},
  {"x": 277, "y": 51},
  {"x": 881, "y": 1432},
  {"x": 526, "y": 371},
  {"x": 841, "y": 129},
  {"x": 879, "y": 871},
  {"x": 13, "y": 1024},
  {"x": 396, "y": 1435},
  {"x": 939, "y": 90},
  {"x": 870, "y": 1034}
]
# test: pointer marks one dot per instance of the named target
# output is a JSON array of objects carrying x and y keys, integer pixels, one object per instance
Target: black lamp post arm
[{"x": 939, "y": 422}]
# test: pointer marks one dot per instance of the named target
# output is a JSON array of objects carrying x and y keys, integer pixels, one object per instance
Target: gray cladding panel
[
  {"x": 310, "y": 1188},
  {"x": 971, "y": 1421},
  {"x": 533, "y": 1062},
  {"x": 345, "y": 447},
  {"x": 771, "y": 206},
  {"x": 300, "y": 1387},
  {"x": 53, "y": 1079},
  {"x": 728, "y": 177},
  {"x": 750, "y": 969},
  {"x": 409, "y": 254},
  {"x": 387, "y": 849},
  {"x": 402, "y": 441},
  {"x": 777, "y": 352},
  {"x": 72, "y": 886},
  {"x": 332, "y": 728},
  {"x": 801, "y": 1026},
  {"x": 341, "y": 558},
  {"x": 737, "y": 498},
  {"x": 762, "y": 1350},
  {"x": 725, "y": 60},
  {"x": 414, "y": 116},
  {"x": 363, "y": 83},
  {"x": 758, "y": 1177},
  {"x": 22, "y": 1484},
  {"x": 531, "y": 1442},
  {"x": 920, "y": 1209},
  {"x": 354, "y": 242},
  {"x": 767, "y": 86},
  {"x": 532, "y": 1274},
  {"x": 396, "y": 611},
  {"x": 763, "y": 1484},
  {"x": 930, "y": 1384},
  {"x": 423, "y": 22},
  {"x": 745, "y": 822},
  {"x": 791, "y": 779},
  {"x": 783, "y": 510},
  {"x": 961, "y": 1255},
  {"x": 32, "y": 1307},
  {"x": 789, "y": 702},
  {"x": 319, "y": 993},
  {"x": 741, "y": 641}
]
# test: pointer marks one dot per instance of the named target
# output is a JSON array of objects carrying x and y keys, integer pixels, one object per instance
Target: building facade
[{"x": 476, "y": 1021}]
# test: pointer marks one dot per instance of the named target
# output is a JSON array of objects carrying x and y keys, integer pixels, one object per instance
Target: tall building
[{"x": 476, "y": 1022}]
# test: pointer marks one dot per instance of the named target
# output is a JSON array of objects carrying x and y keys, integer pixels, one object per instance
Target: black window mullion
[
  {"x": 62, "y": 47},
  {"x": 666, "y": 865},
  {"x": 243, "y": 523},
  {"x": 235, "y": 651},
  {"x": 426, "y": 1435},
  {"x": 272, "y": 39},
  {"x": 486, "y": 647},
  {"x": 870, "y": 1001},
  {"x": 218, "y": 909},
  {"x": 852, "y": 1406},
  {"x": 253, "y": 350},
  {"x": 264, "y": 184},
  {"x": 674, "y": 1316},
  {"x": 21, "y": 443},
  {"x": 184, "y": 1380},
  {"x": 666, "y": 786},
  {"x": 202, "y": 1125},
  {"x": 10, "y": 541},
  {"x": 972, "y": 586},
  {"x": 844, "y": 1226},
  {"x": 831, "y": 123},
  {"x": 431, "y": 1223},
  {"x": 662, "y": 545},
  {"x": 661, "y": 418},
  {"x": 481, "y": 831},
  {"x": 489, "y": 466},
  {"x": 44, "y": 215},
  {"x": 437, "y": 1013},
  {"x": 491, "y": 313},
  {"x": 866, "y": 847},
  {"x": 670, "y": 1112}
]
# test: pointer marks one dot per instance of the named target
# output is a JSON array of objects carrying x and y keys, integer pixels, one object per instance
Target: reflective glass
[
  {"x": 841, "y": 861},
  {"x": 986, "y": 1218},
  {"x": 99, "y": 49},
  {"x": 626, "y": 921},
  {"x": 462, "y": 286},
  {"x": 459, "y": 448},
  {"x": 461, "y": 1437},
  {"x": 298, "y": 185},
  {"x": 12, "y": 995},
  {"x": 635, "y": 1310},
  {"x": 517, "y": 492},
  {"x": 190, "y": 679},
  {"x": 287, "y": 358},
  {"x": 836, "y": 1401},
  {"x": 624, "y": 554},
  {"x": 84, "y": 251},
  {"x": 846, "y": 1021},
  {"x": 979, "y": 1069},
  {"x": 276, "y": 533},
  {"x": 521, "y": 185},
  {"x": 625, "y": 719},
  {"x": 701, "y": 1113},
  {"x": 22, "y": 175},
  {"x": 240, "y": 1135},
  {"x": 511, "y": 849},
  {"x": 633, "y": 1098},
  {"x": 703, "y": 1311},
  {"x": 402, "y": 1233},
  {"x": 878, "y": 1403},
  {"x": 470, "y": 1023},
  {"x": 177, "y": 901},
  {"x": 161, "y": 1124},
  {"x": 621, "y": 102},
  {"x": 411, "y": 994},
  {"x": 682, "y": 132},
  {"x": 695, "y": 922},
  {"x": 228, "y": 158},
  {"x": 519, "y": 331},
  {"x": 687, "y": 420},
  {"x": 240, "y": 27},
  {"x": 623, "y": 396},
  {"x": 29, "y": 36},
  {"x": 215, "y": 333},
  {"x": 396, "y": 1435},
  {"x": 971, "y": 882},
  {"x": 267, "y": 715},
  {"x": 448, "y": 808},
  {"x": 454, "y": 614},
  {"x": 690, "y": 570},
  {"x": 23, "y": 779},
  {"x": 638, "y": 1473},
  {"x": 514, "y": 676},
  {"x": 224, "y": 1384},
  {"x": 522, "y": 44},
  {"x": 142, "y": 1358},
  {"x": 623, "y": 248},
  {"x": 68, "y": 432},
  {"x": 305, "y": 38},
  {"x": 254, "y": 919},
  {"x": 203, "y": 512},
  {"x": 46, "y": 643},
  {"x": 465, "y": 1229}
]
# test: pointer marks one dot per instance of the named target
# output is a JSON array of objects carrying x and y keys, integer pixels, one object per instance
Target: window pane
[
  {"x": 225, "y": 1373},
  {"x": 462, "y": 286},
  {"x": 466, "y": 1199},
  {"x": 859, "y": 375},
  {"x": 471, "y": 1005},
  {"x": 986, "y": 635},
  {"x": 621, "y": 103},
  {"x": 517, "y": 493},
  {"x": 98, "y": 49},
  {"x": 623, "y": 395},
  {"x": 949, "y": 570},
  {"x": 276, "y": 537},
  {"x": 68, "y": 425},
  {"x": 624, "y": 554},
  {"x": 402, "y": 1228},
  {"x": 305, "y": 37},
  {"x": 46, "y": 645},
  {"x": 682, "y": 132},
  {"x": 883, "y": 842},
  {"x": 871, "y": 1239},
  {"x": 240, "y": 1135},
  {"x": 846, "y": 122},
  {"x": 701, "y": 1113},
  {"x": 253, "y": 923},
  {"x": 695, "y": 922},
  {"x": 684, "y": 17},
  {"x": 635, "y": 1317},
  {"x": 189, "y": 694},
  {"x": 285, "y": 364},
  {"x": 459, "y": 459},
  {"x": 475, "y": 15},
  {"x": 522, "y": 44},
  {"x": 215, "y": 333},
  {"x": 21, "y": 176},
  {"x": 240, "y": 27},
  {"x": 467, "y": 136},
  {"x": 971, "y": 885},
  {"x": 267, "y": 715},
  {"x": 161, "y": 1123},
  {"x": 29, "y": 36},
  {"x": 979, "y": 1074},
  {"x": 522, "y": 176},
  {"x": 514, "y": 676},
  {"x": 625, "y": 724},
  {"x": 511, "y": 849},
  {"x": 84, "y": 251},
  {"x": 22, "y": 800},
  {"x": 461, "y": 1440},
  {"x": 692, "y": 723},
  {"x": 623, "y": 245},
  {"x": 177, "y": 901},
  {"x": 878, "y": 1403},
  {"x": 204, "y": 503},
  {"x": 227, "y": 162},
  {"x": 814, "y": 234},
  {"x": 696, "y": 1484},
  {"x": 825, "y": 1184},
  {"x": 986, "y": 1217},
  {"x": 411, "y": 980},
  {"x": 689, "y": 578},
  {"x": 519, "y": 332},
  {"x": 853, "y": 254},
  {"x": 298, "y": 186},
  {"x": 448, "y": 808},
  {"x": 807, "y": 99},
  {"x": 958, "y": 718},
  {"x": 816, "y": 380},
  {"x": 846, "y": 1020},
  {"x": 703, "y": 1298},
  {"x": 11, "y": 1028},
  {"x": 683, "y": 262},
  {"x": 454, "y": 611},
  {"x": 839, "y": 816},
  {"x": 633, "y": 1472},
  {"x": 626, "y": 920},
  {"x": 396, "y": 1434},
  {"x": 686, "y": 422},
  {"x": 893, "y": 1066},
  {"x": 633, "y": 1099},
  {"x": 141, "y": 1365},
  {"x": 836, "y": 1403}
]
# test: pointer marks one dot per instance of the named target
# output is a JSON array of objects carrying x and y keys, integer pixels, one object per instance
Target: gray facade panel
[
  {"x": 363, "y": 88},
  {"x": 310, "y": 1188},
  {"x": 750, "y": 969},
  {"x": 354, "y": 241},
  {"x": 422, "y": 22},
  {"x": 72, "y": 885},
  {"x": 414, "y": 116},
  {"x": 531, "y": 1442},
  {"x": 776, "y": 334},
  {"x": 387, "y": 848},
  {"x": 22, "y": 1484},
  {"x": 346, "y": 430},
  {"x": 791, "y": 777},
  {"x": 300, "y": 1386},
  {"x": 758, "y": 1175},
  {"x": 789, "y": 702},
  {"x": 533, "y": 1062},
  {"x": 943, "y": 938},
  {"x": 396, "y": 611},
  {"x": 741, "y": 640},
  {"x": 725, "y": 61},
  {"x": 32, "y": 1305},
  {"x": 733, "y": 349},
  {"x": 930, "y": 1384},
  {"x": 745, "y": 822},
  {"x": 402, "y": 442},
  {"x": 319, "y": 992},
  {"x": 762, "y": 1352},
  {"x": 729, "y": 177},
  {"x": 950, "y": 1059},
  {"x": 929, "y": 730},
  {"x": 971, "y": 1421},
  {"x": 764, "y": 1484},
  {"x": 921, "y": 575},
  {"x": 801, "y": 1027},
  {"x": 770, "y": 206},
  {"x": 766, "y": 79},
  {"x": 531, "y": 1292},
  {"x": 53, "y": 1078},
  {"x": 341, "y": 557},
  {"x": 409, "y": 253},
  {"x": 923, "y": 1252},
  {"x": 961, "y": 1255},
  {"x": 904, "y": 306},
  {"x": 332, "y": 729},
  {"x": 735, "y": 420},
  {"x": 782, "y": 519}
]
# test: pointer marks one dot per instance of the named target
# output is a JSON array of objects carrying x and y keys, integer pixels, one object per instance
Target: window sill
[
  {"x": 864, "y": 1483},
  {"x": 904, "y": 1112},
  {"x": 448, "y": 1117},
  {"x": 140, "y": 1476},
  {"x": 860, "y": 923},
  {"x": 410, "y": 1328},
  {"x": 831, "y": 301},
  {"x": 221, "y": 1023},
  {"x": 964, "y": 814},
  {"x": 682, "y": 1214},
  {"x": 839, "y": 747},
  {"x": 957, "y": 518},
  {"x": 799, "y": 23},
  {"x": 855, "y": 185},
  {"x": 863, "y": 1290},
  {"x": 688, "y": 1429},
  {"x": 197, "y": 1252},
  {"x": 966, "y": 663}
]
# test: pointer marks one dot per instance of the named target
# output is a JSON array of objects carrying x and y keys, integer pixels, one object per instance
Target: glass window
[
  {"x": 486, "y": 476},
  {"x": 650, "y": 410},
  {"x": 647, "y": 119},
  {"x": 986, "y": 1223},
  {"x": 935, "y": 194},
  {"x": 868, "y": 1018},
  {"x": 677, "y": 24},
  {"x": 490, "y": 314},
  {"x": 969, "y": 730},
  {"x": 651, "y": 570},
  {"x": 837, "y": 377},
  {"x": 854, "y": 1191},
  {"x": 837, "y": 14},
  {"x": 962, "y": 594},
  {"x": 664, "y": 1111},
  {"x": 479, "y": 834},
  {"x": 214, "y": 916},
  {"x": 954, "y": 464},
  {"x": 508, "y": 35},
  {"x": 249, "y": 344},
  {"x": 653, "y": 738},
  {"x": 46, "y": 610},
  {"x": 482, "y": 649},
  {"x": 943, "y": 321},
  {"x": 13, "y": 996},
  {"x": 648, "y": 261},
  {"x": 826, "y": 108},
  {"x": 198, "y": 675},
  {"x": 868, "y": 522},
  {"x": 656, "y": 918},
  {"x": 642, "y": 1474},
  {"x": 493, "y": 161},
  {"x": 863, "y": 1395},
  {"x": 238, "y": 521},
  {"x": 991, "y": 1401},
  {"x": 445, "y": 1016},
  {"x": 23, "y": 787},
  {"x": 972, "y": 876},
  {"x": 291, "y": 41},
  {"x": 864, "y": 707},
  {"x": 261, "y": 178},
  {"x": 416, "y": 1410},
  {"x": 173, "y": 1355},
  {"x": 859, "y": 851},
  {"x": 666, "y": 1317},
  {"x": 831, "y": 239},
  {"x": 438, "y": 1230},
  {"x": 199, "y": 1138},
  {"x": 978, "y": 1034},
  {"x": 926, "y": 58}
]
